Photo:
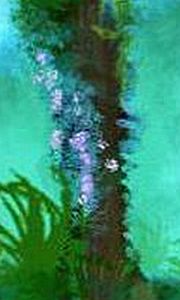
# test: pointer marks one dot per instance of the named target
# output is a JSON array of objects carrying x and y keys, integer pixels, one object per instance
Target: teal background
[
  {"x": 25, "y": 126},
  {"x": 25, "y": 121},
  {"x": 154, "y": 210}
]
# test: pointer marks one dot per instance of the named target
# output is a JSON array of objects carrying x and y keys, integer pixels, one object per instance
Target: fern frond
[
  {"x": 10, "y": 250},
  {"x": 14, "y": 215},
  {"x": 5, "y": 233}
]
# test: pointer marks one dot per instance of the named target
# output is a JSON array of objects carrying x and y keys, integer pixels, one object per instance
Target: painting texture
[{"x": 89, "y": 147}]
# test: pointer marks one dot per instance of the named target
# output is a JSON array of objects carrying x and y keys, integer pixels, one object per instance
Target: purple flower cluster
[
  {"x": 56, "y": 101},
  {"x": 86, "y": 159},
  {"x": 86, "y": 181},
  {"x": 86, "y": 187},
  {"x": 79, "y": 141},
  {"x": 48, "y": 77}
]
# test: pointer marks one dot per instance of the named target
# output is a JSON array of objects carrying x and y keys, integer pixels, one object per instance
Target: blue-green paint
[
  {"x": 25, "y": 125},
  {"x": 154, "y": 184},
  {"x": 25, "y": 121}
]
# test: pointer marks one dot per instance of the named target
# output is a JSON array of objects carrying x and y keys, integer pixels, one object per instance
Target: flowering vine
[{"x": 74, "y": 138}]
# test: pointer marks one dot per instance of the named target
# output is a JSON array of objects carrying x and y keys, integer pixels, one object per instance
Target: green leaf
[
  {"x": 10, "y": 250},
  {"x": 105, "y": 33},
  {"x": 15, "y": 216},
  {"x": 8, "y": 236}
]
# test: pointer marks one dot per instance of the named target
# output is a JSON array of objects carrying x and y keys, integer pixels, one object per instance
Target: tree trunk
[{"x": 98, "y": 65}]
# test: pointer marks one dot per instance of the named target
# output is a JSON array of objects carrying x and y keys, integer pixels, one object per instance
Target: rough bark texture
[{"x": 98, "y": 65}]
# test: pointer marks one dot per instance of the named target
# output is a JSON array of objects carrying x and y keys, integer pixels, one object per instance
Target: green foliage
[
  {"x": 124, "y": 16},
  {"x": 41, "y": 262},
  {"x": 51, "y": 5},
  {"x": 105, "y": 34},
  {"x": 49, "y": 25},
  {"x": 47, "y": 256},
  {"x": 124, "y": 21}
]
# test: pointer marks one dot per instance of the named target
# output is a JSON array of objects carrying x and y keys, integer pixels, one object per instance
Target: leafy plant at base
[{"x": 40, "y": 261}]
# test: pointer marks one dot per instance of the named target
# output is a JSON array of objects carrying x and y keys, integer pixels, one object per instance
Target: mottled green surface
[
  {"x": 24, "y": 117},
  {"x": 155, "y": 183},
  {"x": 25, "y": 127}
]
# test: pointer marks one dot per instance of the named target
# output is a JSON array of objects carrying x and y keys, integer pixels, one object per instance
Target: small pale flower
[
  {"x": 87, "y": 185},
  {"x": 38, "y": 78},
  {"x": 77, "y": 110},
  {"x": 80, "y": 201},
  {"x": 56, "y": 100},
  {"x": 85, "y": 158},
  {"x": 112, "y": 165},
  {"x": 52, "y": 75},
  {"x": 57, "y": 94},
  {"x": 56, "y": 139},
  {"x": 102, "y": 144},
  {"x": 78, "y": 141},
  {"x": 83, "y": 200},
  {"x": 49, "y": 84},
  {"x": 56, "y": 108},
  {"x": 41, "y": 58},
  {"x": 76, "y": 97}
]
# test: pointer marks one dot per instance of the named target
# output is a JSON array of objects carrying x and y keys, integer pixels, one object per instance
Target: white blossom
[{"x": 112, "y": 165}]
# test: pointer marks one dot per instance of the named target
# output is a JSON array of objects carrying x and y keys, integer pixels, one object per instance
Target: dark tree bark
[{"x": 98, "y": 65}]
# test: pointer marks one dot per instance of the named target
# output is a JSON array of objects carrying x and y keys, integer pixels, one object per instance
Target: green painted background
[
  {"x": 155, "y": 183},
  {"x": 25, "y": 122},
  {"x": 25, "y": 126}
]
